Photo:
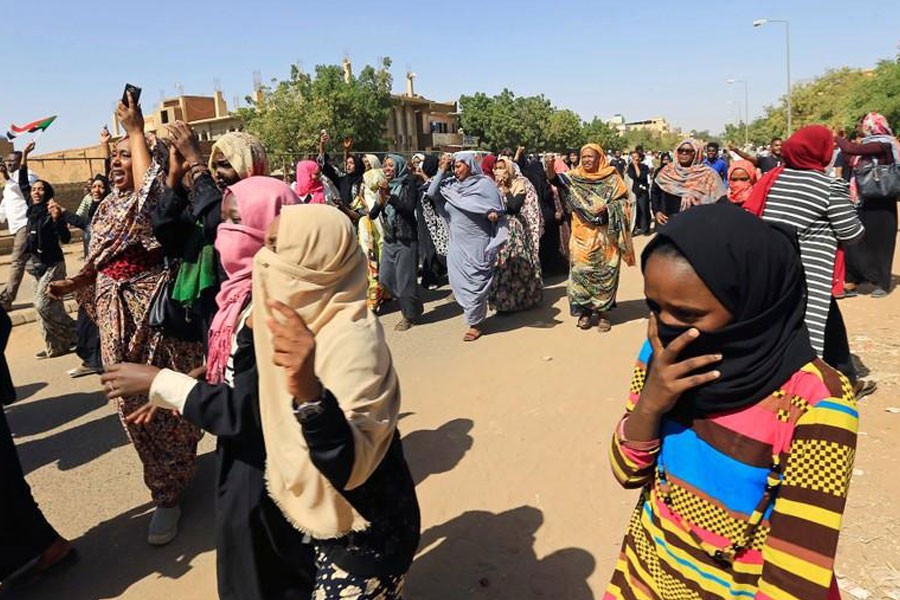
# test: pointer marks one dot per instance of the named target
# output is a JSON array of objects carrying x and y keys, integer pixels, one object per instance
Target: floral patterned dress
[
  {"x": 128, "y": 263},
  {"x": 518, "y": 283}
]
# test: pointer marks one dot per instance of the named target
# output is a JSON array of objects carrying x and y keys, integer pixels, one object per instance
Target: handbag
[
  {"x": 878, "y": 182},
  {"x": 175, "y": 319}
]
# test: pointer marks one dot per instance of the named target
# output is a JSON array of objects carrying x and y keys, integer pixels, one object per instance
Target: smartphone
[{"x": 135, "y": 93}]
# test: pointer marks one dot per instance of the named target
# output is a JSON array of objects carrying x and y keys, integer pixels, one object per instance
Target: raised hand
[
  {"x": 130, "y": 116},
  {"x": 185, "y": 141}
]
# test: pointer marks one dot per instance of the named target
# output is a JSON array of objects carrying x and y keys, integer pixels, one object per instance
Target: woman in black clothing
[
  {"x": 639, "y": 173},
  {"x": 87, "y": 346},
  {"x": 348, "y": 182},
  {"x": 256, "y": 547},
  {"x": 399, "y": 252},
  {"x": 46, "y": 263},
  {"x": 433, "y": 235},
  {"x": 870, "y": 260},
  {"x": 656, "y": 193},
  {"x": 187, "y": 220},
  {"x": 29, "y": 545},
  {"x": 318, "y": 382}
]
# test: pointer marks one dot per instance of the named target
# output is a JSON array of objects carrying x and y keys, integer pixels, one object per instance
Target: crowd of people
[{"x": 217, "y": 298}]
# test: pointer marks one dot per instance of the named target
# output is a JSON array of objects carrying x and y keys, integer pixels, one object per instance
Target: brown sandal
[
  {"x": 604, "y": 325},
  {"x": 472, "y": 334},
  {"x": 584, "y": 322}
]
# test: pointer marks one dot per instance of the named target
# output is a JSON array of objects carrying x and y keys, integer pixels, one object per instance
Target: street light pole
[
  {"x": 787, "y": 47},
  {"x": 746, "y": 107}
]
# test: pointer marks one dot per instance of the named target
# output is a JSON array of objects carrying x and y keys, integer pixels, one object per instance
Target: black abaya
[
  {"x": 870, "y": 260},
  {"x": 24, "y": 532}
]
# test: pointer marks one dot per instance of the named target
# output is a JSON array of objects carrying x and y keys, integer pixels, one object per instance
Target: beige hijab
[{"x": 320, "y": 271}]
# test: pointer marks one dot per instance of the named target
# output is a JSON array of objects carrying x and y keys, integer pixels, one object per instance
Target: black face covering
[{"x": 754, "y": 270}]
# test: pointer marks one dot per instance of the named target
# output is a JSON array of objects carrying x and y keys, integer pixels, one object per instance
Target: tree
[
  {"x": 292, "y": 113},
  {"x": 597, "y": 131},
  {"x": 563, "y": 130},
  {"x": 837, "y": 98}
]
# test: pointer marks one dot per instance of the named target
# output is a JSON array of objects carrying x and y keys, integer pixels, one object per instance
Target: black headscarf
[
  {"x": 754, "y": 270},
  {"x": 430, "y": 165},
  {"x": 346, "y": 183}
]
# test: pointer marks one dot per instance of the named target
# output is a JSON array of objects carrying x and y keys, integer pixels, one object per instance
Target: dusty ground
[{"x": 507, "y": 440}]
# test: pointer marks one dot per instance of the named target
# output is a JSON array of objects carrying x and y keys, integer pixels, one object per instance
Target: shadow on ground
[
  {"x": 484, "y": 555},
  {"x": 39, "y": 416},
  {"x": 73, "y": 447},
  {"x": 433, "y": 451},
  {"x": 114, "y": 554},
  {"x": 23, "y": 392}
]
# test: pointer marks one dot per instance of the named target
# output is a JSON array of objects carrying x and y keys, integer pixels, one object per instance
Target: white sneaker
[{"x": 163, "y": 525}]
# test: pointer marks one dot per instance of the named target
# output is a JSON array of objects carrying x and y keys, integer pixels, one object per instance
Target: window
[{"x": 164, "y": 116}]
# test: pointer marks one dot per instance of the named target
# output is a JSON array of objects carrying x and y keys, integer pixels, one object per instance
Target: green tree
[
  {"x": 291, "y": 113},
  {"x": 598, "y": 132},
  {"x": 563, "y": 130},
  {"x": 878, "y": 92},
  {"x": 837, "y": 98}
]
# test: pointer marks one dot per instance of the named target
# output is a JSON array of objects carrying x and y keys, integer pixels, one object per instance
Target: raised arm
[
  {"x": 24, "y": 180},
  {"x": 745, "y": 155},
  {"x": 133, "y": 121}
]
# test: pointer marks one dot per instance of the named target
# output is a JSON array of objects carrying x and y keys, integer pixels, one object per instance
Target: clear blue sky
[{"x": 642, "y": 58}]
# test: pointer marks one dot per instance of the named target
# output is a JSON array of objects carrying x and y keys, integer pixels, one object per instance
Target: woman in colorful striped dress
[{"x": 740, "y": 438}]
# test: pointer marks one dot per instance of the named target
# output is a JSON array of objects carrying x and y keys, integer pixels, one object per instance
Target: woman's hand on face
[
  {"x": 444, "y": 163},
  {"x": 295, "y": 350},
  {"x": 130, "y": 116},
  {"x": 670, "y": 378},
  {"x": 128, "y": 379}
]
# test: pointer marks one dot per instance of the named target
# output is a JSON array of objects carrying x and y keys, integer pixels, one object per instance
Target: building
[
  {"x": 6, "y": 147},
  {"x": 417, "y": 123},
  {"x": 657, "y": 125},
  {"x": 208, "y": 116}
]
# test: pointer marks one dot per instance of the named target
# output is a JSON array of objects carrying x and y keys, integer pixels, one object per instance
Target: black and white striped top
[{"x": 819, "y": 208}]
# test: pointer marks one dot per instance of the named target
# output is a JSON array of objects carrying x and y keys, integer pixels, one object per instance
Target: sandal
[
  {"x": 472, "y": 334},
  {"x": 604, "y": 325},
  {"x": 584, "y": 322},
  {"x": 864, "y": 387}
]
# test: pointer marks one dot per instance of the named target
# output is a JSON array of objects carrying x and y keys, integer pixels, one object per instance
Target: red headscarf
[
  {"x": 739, "y": 191},
  {"x": 809, "y": 149},
  {"x": 487, "y": 165}
]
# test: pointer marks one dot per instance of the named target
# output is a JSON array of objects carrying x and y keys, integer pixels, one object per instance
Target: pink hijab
[
  {"x": 259, "y": 200},
  {"x": 308, "y": 183}
]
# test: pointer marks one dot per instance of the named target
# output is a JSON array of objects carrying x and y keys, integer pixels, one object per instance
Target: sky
[{"x": 641, "y": 59}]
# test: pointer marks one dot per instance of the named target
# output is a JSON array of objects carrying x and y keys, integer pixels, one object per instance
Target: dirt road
[{"x": 507, "y": 440}]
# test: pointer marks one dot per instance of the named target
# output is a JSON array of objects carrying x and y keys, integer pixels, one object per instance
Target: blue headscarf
[
  {"x": 476, "y": 195},
  {"x": 401, "y": 170}
]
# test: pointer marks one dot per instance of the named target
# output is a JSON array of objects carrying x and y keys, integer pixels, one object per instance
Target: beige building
[
  {"x": 417, "y": 123},
  {"x": 208, "y": 116},
  {"x": 5, "y": 147},
  {"x": 658, "y": 125}
]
